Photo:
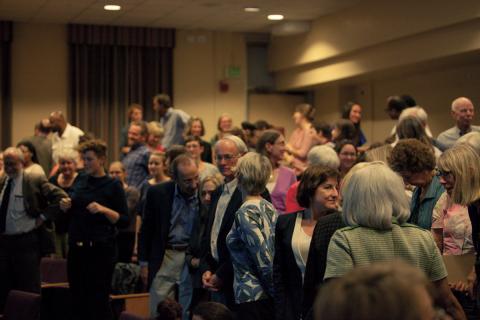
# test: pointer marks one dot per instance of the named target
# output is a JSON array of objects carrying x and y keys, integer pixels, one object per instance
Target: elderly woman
[
  {"x": 302, "y": 138},
  {"x": 323, "y": 155},
  {"x": 459, "y": 172},
  {"x": 375, "y": 208},
  {"x": 414, "y": 161},
  {"x": 251, "y": 241},
  {"x": 195, "y": 127},
  {"x": 272, "y": 145},
  {"x": 317, "y": 192},
  {"x": 66, "y": 178},
  {"x": 97, "y": 206}
]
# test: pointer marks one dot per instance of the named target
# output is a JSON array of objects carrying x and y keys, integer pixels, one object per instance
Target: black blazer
[
  {"x": 287, "y": 277},
  {"x": 317, "y": 257},
  {"x": 153, "y": 236},
  {"x": 223, "y": 268}
]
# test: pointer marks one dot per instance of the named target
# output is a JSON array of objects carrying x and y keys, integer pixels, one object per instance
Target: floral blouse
[{"x": 251, "y": 244}]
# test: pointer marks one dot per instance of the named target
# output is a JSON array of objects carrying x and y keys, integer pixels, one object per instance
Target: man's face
[
  {"x": 55, "y": 123},
  {"x": 12, "y": 164},
  {"x": 159, "y": 108},
  {"x": 188, "y": 179},
  {"x": 227, "y": 156},
  {"x": 417, "y": 179},
  {"x": 134, "y": 135},
  {"x": 463, "y": 114},
  {"x": 137, "y": 115}
]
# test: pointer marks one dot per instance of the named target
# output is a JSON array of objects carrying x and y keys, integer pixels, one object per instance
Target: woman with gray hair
[
  {"x": 251, "y": 241},
  {"x": 65, "y": 178},
  {"x": 375, "y": 209}
]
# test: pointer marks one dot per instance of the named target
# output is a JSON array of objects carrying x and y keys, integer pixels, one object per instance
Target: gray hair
[
  {"x": 241, "y": 146},
  {"x": 253, "y": 173},
  {"x": 372, "y": 195},
  {"x": 67, "y": 154},
  {"x": 323, "y": 155},
  {"x": 15, "y": 152},
  {"x": 460, "y": 101},
  {"x": 472, "y": 139},
  {"x": 416, "y": 112}
]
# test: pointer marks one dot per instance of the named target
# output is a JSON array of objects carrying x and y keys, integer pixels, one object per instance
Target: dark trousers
[
  {"x": 19, "y": 264},
  {"x": 90, "y": 269},
  {"x": 261, "y": 310},
  {"x": 125, "y": 243}
]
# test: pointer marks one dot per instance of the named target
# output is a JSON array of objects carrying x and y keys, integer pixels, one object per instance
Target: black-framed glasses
[{"x": 441, "y": 173}]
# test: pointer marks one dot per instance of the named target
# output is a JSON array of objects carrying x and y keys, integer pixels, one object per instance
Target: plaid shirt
[{"x": 136, "y": 165}]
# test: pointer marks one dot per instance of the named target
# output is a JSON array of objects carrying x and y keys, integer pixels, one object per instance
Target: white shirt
[
  {"x": 228, "y": 190},
  {"x": 68, "y": 140},
  {"x": 300, "y": 244},
  {"x": 17, "y": 219}
]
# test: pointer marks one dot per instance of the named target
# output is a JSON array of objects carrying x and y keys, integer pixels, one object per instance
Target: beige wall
[
  {"x": 39, "y": 75},
  {"x": 200, "y": 60}
]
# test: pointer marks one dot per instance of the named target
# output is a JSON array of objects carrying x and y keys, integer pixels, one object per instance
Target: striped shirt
[{"x": 360, "y": 246}]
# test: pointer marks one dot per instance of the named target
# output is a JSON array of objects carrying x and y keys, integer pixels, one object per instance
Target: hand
[
  {"x": 206, "y": 280},
  {"x": 95, "y": 207},
  {"x": 458, "y": 286},
  {"x": 144, "y": 275},
  {"x": 65, "y": 204},
  {"x": 216, "y": 283},
  {"x": 195, "y": 262},
  {"x": 125, "y": 150}
]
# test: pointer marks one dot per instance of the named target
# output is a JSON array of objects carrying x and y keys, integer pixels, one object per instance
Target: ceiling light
[
  {"x": 112, "y": 7},
  {"x": 275, "y": 17},
  {"x": 251, "y": 9}
]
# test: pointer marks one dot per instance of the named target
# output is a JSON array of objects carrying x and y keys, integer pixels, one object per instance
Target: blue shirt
[
  {"x": 173, "y": 123},
  {"x": 421, "y": 212},
  {"x": 251, "y": 243},
  {"x": 184, "y": 213},
  {"x": 136, "y": 165}
]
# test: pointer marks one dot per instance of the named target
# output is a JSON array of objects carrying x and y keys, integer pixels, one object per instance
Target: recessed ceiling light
[
  {"x": 251, "y": 9},
  {"x": 112, "y": 7},
  {"x": 275, "y": 17}
]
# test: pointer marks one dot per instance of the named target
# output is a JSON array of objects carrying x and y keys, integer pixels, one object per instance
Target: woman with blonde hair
[
  {"x": 302, "y": 138},
  {"x": 376, "y": 210},
  {"x": 155, "y": 135}
]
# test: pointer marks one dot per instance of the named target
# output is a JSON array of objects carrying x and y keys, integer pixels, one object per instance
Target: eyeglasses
[
  {"x": 226, "y": 157},
  {"x": 441, "y": 173}
]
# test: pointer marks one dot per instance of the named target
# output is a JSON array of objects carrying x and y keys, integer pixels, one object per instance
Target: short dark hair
[
  {"x": 98, "y": 147},
  {"x": 411, "y": 155},
  {"x": 169, "y": 309},
  {"x": 262, "y": 125},
  {"x": 396, "y": 103},
  {"x": 30, "y": 148},
  {"x": 339, "y": 146},
  {"x": 212, "y": 311},
  {"x": 324, "y": 128},
  {"x": 163, "y": 99},
  {"x": 268, "y": 136},
  {"x": 409, "y": 100},
  {"x": 180, "y": 160},
  {"x": 314, "y": 176},
  {"x": 192, "y": 138},
  {"x": 347, "y": 130}
]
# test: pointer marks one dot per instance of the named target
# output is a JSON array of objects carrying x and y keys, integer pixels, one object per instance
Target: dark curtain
[
  {"x": 5, "y": 84},
  {"x": 112, "y": 67}
]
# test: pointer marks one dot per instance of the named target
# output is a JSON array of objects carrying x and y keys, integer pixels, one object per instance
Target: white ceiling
[{"x": 226, "y": 15}]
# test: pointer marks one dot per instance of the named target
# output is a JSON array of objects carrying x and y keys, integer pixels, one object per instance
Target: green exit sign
[{"x": 233, "y": 72}]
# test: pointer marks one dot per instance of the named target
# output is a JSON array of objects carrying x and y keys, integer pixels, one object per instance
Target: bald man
[
  {"x": 65, "y": 136},
  {"x": 462, "y": 112}
]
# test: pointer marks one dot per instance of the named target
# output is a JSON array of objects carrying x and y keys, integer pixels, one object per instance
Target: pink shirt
[
  {"x": 302, "y": 140},
  {"x": 456, "y": 226}
]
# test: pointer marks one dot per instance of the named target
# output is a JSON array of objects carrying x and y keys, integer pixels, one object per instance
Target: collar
[
  {"x": 230, "y": 187},
  {"x": 460, "y": 133},
  {"x": 433, "y": 188},
  {"x": 67, "y": 130}
]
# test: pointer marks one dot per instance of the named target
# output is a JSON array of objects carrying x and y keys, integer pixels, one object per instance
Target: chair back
[{"x": 53, "y": 270}]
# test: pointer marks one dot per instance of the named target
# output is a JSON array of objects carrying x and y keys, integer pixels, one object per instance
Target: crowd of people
[{"x": 250, "y": 225}]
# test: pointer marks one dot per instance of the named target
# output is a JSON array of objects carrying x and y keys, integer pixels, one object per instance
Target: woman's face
[
  {"x": 194, "y": 149},
  {"x": 225, "y": 124},
  {"x": 207, "y": 190},
  {"x": 196, "y": 129},
  {"x": 92, "y": 164},
  {"x": 355, "y": 114},
  {"x": 447, "y": 180},
  {"x": 277, "y": 149},
  {"x": 155, "y": 165},
  {"x": 326, "y": 195},
  {"x": 418, "y": 179},
  {"x": 67, "y": 167},
  {"x": 347, "y": 156},
  {"x": 297, "y": 118},
  {"x": 27, "y": 155}
]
